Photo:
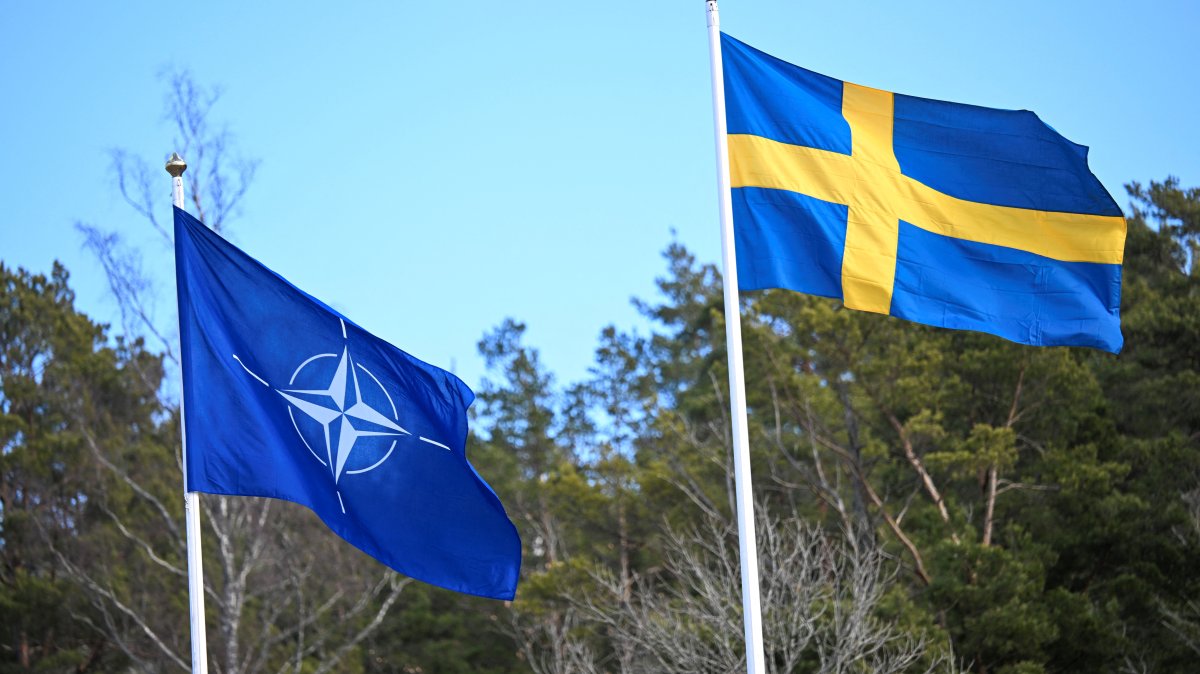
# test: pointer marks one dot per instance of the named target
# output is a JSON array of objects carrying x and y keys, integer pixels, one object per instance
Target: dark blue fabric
[
  {"x": 415, "y": 505},
  {"x": 788, "y": 240},
  {"x": 775, "y": 99},
  {"x": 1023, "y": 297},
  {"x": 1002, "y": 157}
]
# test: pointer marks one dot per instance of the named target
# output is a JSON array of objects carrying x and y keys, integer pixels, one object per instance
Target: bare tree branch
[
  {"x": 113, "y": 600},
  {"x": 819, "y": 594}
]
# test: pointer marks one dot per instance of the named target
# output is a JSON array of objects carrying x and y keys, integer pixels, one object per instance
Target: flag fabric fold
[
  {"x": 286, "y": 398},
  {"x": 941, "y": 213}
]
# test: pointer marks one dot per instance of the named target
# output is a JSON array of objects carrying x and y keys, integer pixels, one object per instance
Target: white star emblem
[
  {"x": 357, "y": 419},
  {"x": 343, "y": 414}
]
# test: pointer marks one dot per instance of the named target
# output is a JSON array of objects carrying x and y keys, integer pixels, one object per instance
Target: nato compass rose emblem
[{"x": 347, "y": 419}]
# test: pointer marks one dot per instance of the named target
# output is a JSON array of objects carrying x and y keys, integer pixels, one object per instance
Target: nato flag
[{"x": 286, "y": 398}]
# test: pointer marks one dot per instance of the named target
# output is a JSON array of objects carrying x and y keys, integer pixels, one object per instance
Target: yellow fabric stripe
[
  {"x": 1070, "y": 237},
  {"x": 829, "y": 176},
  {"x": 869, "y": 113},
  {"x": 872, "y": 227},
  {"x": 755, "y": 161}
]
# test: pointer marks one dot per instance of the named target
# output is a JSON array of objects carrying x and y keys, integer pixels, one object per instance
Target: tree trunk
[
  {"x": 864, "y": 532},
  {"x": 989, "y": 515}
]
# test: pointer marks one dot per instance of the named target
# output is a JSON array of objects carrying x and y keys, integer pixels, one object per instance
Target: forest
[{"x": 927, "y": 500}]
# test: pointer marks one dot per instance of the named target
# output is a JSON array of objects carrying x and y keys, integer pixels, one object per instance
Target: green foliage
[
  {"x": 1033, "y": 496},
  {"x": 60, "y": 379},
  {"x": 439, "y": 632},
  {"x": 1038, "y": 509}
]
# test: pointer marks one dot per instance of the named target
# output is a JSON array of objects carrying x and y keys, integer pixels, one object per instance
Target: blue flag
[
  {"x": 941, "y": 213},
  {"x": 288, "y": 399}
]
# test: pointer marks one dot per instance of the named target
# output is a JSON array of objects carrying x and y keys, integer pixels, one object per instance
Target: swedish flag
[{"x": 945, "y": 214}]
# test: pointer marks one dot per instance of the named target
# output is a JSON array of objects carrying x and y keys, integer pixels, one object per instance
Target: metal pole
[
  {"x": 748, "y": 546},
  {"x": 191, "y": 500}
]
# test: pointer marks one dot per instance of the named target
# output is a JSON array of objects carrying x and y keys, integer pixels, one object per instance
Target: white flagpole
[
  {"x": 748, "y": 547},
  {"x": 191, "y": 500}
]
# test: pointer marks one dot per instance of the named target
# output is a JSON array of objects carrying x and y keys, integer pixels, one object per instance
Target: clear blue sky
[{"x": 431, "y": 168}]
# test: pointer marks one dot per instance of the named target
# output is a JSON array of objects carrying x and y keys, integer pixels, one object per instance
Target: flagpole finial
[{"x": 176, "y": 165}]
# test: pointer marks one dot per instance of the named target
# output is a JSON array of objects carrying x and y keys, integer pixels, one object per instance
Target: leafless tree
[
  {"x": 217, "y": 180},
  {"x": 549, "y": 641},
  {"x": 820, "y": 597},
  {"x": 283, "y": 595}
]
